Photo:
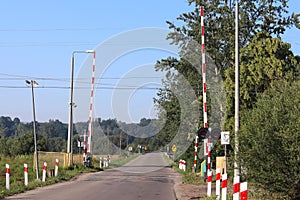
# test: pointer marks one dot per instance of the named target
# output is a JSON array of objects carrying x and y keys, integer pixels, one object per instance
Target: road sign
[
  {"x": 225, "y": 138},
  {"x": 129, "y": 148},
  {"x": 174, "y": 148}
]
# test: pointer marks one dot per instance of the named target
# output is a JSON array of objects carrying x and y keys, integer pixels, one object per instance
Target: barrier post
[
  {"x": 244, "y": 191},
  {"x": 56, "y": 167},
  {"x": 25, "y": 174},
  {"x": 224, "y": 186},
  {"x": 196, "y": 152},
  {"x": 44, "y": 172},
  {"x": 236, "y": 188},
  {"x": 7, "y": 176},
  {"x": 183, "y": 165},
  {"x": 209, "y": 180},
  {"x": 218, "y": 185}
]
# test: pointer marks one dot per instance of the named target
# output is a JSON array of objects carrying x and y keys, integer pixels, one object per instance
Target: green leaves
[
  {"x": 269, "y": 139},
  {"x": 263, "y": 61}
]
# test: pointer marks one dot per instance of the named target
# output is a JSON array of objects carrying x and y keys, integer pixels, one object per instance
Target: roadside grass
[
  {"x": 187, "y": 176},
  {"x": 64, "y": 174},
  {"x": 254, "y": 193}
]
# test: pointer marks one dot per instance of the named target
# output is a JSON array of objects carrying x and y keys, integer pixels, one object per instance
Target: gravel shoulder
[{"x": 189, "y": 191}]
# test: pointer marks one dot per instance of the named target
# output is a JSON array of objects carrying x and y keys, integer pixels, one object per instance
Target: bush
[{"x": 270, "y": 141}]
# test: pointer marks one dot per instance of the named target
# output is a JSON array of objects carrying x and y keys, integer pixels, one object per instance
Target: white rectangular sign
[{"x": 225, "y": 138}]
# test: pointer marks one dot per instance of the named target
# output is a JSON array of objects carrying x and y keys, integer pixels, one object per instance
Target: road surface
[{"x": 146, "y": 177}]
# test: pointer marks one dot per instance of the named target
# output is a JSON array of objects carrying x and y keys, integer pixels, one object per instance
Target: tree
[
  {"x": 270, "y": 140},
  {"x": 255, "y": 16},
  {"x": 263, "y": 61},
  {"x": 259, "y": 22}
]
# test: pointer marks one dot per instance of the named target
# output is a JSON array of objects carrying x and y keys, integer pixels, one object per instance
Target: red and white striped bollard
[
  {"x": 25, "y": 174},
  {"x": 183, "y": 165},
  {"x": 218, "y": 185},
  {"x": 196, "y": 152},
  {"x": 180, "y": 164},
  {"x": 224, "y": 186},
  {"x": 236, "y": 188},
  {"x": 56, "y": 167},
  {"x": 44, "y": 172},
  {"x": 209, "y": 171},
  {"x": 244, "y": 191},
  {"x": 209, "y": 180},
  {"x": 7, "y": 173}
]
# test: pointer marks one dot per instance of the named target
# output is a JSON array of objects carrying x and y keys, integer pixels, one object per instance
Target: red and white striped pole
[
  {"x": 7, "y": 174},
  {"x": 56, "y": 167},
  {"x": 183, "y": 165},
  {"x": 84, "y": 148},
  {"x": 203, "y": 68},
  {"x": 209, "y": 172},
  {"x": 209, "y": 180},
  {"x": 44, "y": 172},
  {"x": 91, "y": 105},
  {"x": 236, "y": 188},
  {"x": 218, "y": 185},
  {"x": 244, "y": 191},
  {"x": 224, "y": 186},
  {"x": 25, "y": 174},
  {"x": 196, "y": 152},
  {"x": 204, "y": 94}
]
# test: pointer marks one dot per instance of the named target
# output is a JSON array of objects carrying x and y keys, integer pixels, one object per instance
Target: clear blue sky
[{"x": 37, "y": 39}]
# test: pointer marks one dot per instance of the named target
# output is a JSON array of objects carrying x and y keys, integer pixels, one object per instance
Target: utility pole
[
  {"x": 120, "y": 142},
  {"x": 71, "y": 104},
  {"x": 33, "y": 84},
  {"x": 236, "y": 94}
]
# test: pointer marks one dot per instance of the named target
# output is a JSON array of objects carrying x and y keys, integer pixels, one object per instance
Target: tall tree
[
  {"x": 267, "y": 18},
  {"x": 263, "y": 61}
]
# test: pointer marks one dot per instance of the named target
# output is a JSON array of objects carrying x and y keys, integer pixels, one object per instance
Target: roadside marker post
[
  {"x": 244, "y": 191},
  {"x": 209, "y": 180},
  {"x": 224, "y": 186},
  {"x": 7, "y": 174},
  {"x": 56, "y": 167},
  {"x": 44, "y": 172},
  {"x": 196, "y": 152},
  {"x": 25, "y": 174},
  {"x": 236, "y": 188},
  {"x": 218, "y": 185}
]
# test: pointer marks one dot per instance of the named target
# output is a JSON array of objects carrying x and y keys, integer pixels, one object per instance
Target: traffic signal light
[
  {"x": 215, "y": 133},
  {"x": 202, "y": 133}
]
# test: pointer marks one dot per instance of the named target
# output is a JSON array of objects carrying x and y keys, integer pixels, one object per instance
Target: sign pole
[{"x": 225, "y": 140}]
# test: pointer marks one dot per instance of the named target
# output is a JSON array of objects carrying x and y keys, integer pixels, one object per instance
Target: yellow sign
[{"x": 174, "y": 148}]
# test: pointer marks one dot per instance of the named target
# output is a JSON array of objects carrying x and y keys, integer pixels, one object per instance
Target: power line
[
  {"x": 20, "y": 77},
  {"x": 79, "y": 88}
]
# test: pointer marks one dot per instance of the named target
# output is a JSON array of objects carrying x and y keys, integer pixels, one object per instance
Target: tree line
[
  {"x": 269, "y": 87},
  {"x": 109, "y": 136}
]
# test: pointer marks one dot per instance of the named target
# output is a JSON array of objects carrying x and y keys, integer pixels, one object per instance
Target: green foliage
[
  {"x": 17, "y": 175},
  {"x": 263, "y": 61},
  {"x": 270, "y": 140},
  {"x": 255, "y": 16}
]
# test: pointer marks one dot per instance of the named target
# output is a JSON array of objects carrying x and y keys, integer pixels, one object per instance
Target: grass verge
[{"x": 64, "y": 174}]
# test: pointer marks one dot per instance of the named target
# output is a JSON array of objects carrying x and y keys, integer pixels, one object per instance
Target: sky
[{"x": 37, "y": 39}]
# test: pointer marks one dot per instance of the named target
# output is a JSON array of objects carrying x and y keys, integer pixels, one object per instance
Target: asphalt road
[{"x": 146, "y": 177}]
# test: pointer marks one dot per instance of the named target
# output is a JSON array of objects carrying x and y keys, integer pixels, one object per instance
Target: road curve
[{"x": 146, "y": 177}]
